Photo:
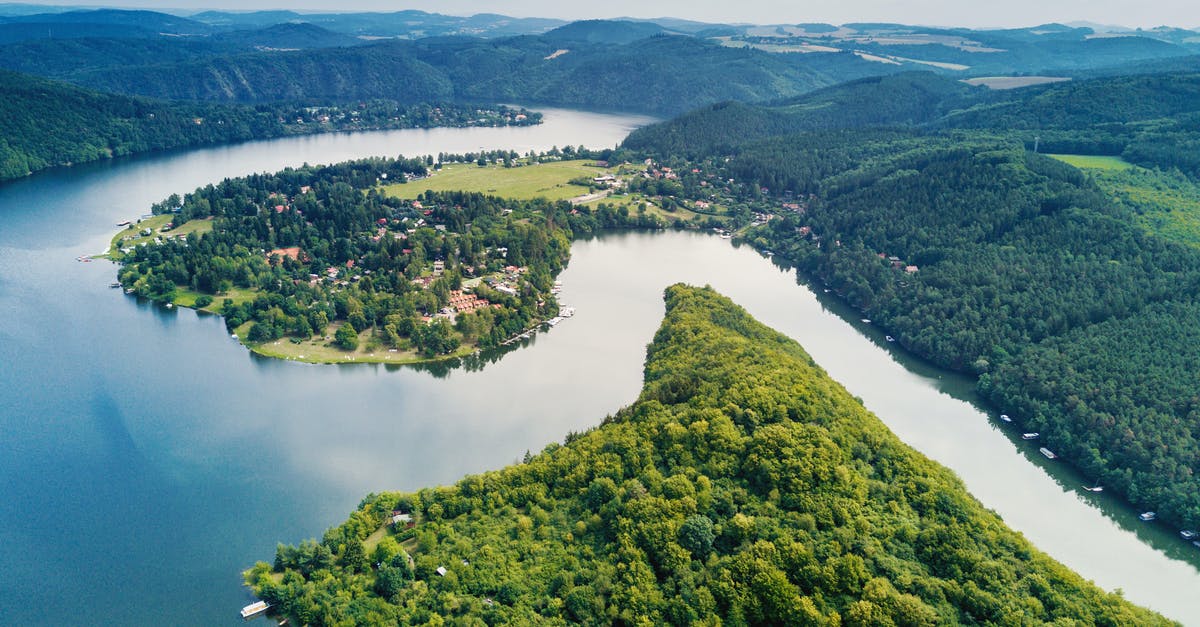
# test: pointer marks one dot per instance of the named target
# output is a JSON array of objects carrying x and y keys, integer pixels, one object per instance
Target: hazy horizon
[{"x": 1016, "y": 13}]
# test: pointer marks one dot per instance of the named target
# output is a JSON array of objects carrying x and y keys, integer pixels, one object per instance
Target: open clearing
[
  {"x": 547, "y": 180},
  {"x": 132, "y": 235},
  {"x": 1013, "y": 82},
  {"x": 1094, "y": 162}
]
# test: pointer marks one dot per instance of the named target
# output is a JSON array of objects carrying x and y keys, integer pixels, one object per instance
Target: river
[{"x": 147, "y": 458}]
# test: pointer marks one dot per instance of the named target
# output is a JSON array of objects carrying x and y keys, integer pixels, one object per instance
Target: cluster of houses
[
  {"x": 462, "y": 301},
  {"x": 898, "y": 264},
  {"x": 656, "y": 171}
]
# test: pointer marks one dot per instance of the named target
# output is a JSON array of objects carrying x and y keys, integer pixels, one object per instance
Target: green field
[
  {"x": 1093, "y": 162},
  {"x": 546, "y": 180},
  {"x": 320, "y": 350},
  {"x": 132, "y": 234}
]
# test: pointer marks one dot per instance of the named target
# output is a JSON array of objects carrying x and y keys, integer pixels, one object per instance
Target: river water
[{"x": 147, "y": 458}]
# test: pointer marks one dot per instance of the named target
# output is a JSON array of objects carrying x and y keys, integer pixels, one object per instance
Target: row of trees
[{"x": 744, "y": 487}]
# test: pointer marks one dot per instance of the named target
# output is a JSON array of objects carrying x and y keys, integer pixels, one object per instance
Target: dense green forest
[
  {"x": 1074, "y": 300},
  {"x": 1149, "y": 119},
  {"x": 668, "y": 74},
  {"x": 45, "y": 124},
  {"x": 743, "y": 487},
  {"x": 325, "y": 252}
]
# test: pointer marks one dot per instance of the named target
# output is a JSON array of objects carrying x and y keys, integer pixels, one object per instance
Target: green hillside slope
[{"x": 743, "y": 487}]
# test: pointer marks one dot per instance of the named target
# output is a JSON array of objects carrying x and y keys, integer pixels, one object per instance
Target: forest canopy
[{"x": 744, "y": 486}]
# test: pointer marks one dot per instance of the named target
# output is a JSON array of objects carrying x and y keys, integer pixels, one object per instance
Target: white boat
[
  {"x": 866, "y": 321},
  {"x": 1098, "y": 488},
  {"x": 1048, "y": 453},
  {"x": 889, "y": 338},
  {"x": 254, "y": 609},
  {"x": 1188, "y": 534},
  {"x": 1030, "y": 436},
  {"x": 1005, "y": 418},
  {"x": 1147, "y": 516}
]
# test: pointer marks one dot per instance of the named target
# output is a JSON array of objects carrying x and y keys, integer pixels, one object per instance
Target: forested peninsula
[
  {"x": 323, "y": 264},
  {"x": 44, "y": 124},
  {"x": 744, "y": 486},
  {"x": 1071, "y": 294}
]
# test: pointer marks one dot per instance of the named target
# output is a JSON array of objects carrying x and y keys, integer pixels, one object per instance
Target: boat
[
  {"x": 114, "y": 284},
  {"x": 1188, "y": 534},
  {"x": 124, "y": 223},
  {"x": 1048, "y": 453},
  {"x": 866, "y": 321},
  {"x": 1097, "y": 488},
  {"x": 1005, "y": 418},
  {"x": 1147, "y": 516},
  {"x": 254, "y": 609},
  {"x": 1196, "y": 543},
  {"x": 1030, "y": 436}
]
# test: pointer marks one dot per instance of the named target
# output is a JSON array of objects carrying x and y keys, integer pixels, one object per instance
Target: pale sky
[{"x": 973, "y": 13}]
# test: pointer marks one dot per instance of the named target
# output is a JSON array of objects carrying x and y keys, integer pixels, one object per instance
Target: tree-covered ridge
[
  {"x": 984, "y": 257},
  {"x": 667, "y": 74},
  {"x": 743, "y": 487},
  {"x": 1149, "y": 119},
  {"x": 44, "y": 124},
  {"x": 325, "y": 252}
]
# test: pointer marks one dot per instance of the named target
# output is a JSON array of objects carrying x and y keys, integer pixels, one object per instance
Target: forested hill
[
  {"x": 45, "y": 123},
  {"x": 905, "y": 99},
  {"x": 665, "y": 74},
  {"x": 744, "y": 486},
  {"x": 1150, "y": 119},
  {"x": 974, "y": 252}
]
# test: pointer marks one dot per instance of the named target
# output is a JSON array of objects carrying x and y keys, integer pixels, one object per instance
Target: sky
[{"x": 972, "y": 13}]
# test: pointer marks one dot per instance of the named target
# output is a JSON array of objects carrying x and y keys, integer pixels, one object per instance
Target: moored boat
[
  {"x": 254, "y": 609},
  {"x": 1048, "y": 453},
  {"x": 1030, "y": 436},
  {"x": 1188, "y": 534},
  {"x": 1005, "y": 418},
  {"x": 1147, "y": 516}
]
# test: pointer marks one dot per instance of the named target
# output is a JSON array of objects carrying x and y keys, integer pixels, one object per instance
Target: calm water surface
[{"x": 147, "y": 458}]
